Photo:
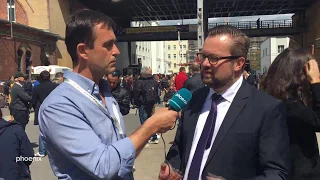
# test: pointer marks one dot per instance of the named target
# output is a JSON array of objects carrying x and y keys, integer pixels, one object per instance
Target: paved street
[{"x": 147, "y": 164}]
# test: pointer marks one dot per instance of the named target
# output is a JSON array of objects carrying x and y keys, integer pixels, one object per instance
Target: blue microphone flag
[{"x": 180, "y": 99}]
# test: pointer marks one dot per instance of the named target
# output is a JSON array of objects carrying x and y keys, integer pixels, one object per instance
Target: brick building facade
[
  {"x": 29, "y": 46},
  {"x": 38, "y": 30}
]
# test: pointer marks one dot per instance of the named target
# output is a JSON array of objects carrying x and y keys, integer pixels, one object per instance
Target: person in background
[
  {"x": 168, "y": 94},
  {"x": 27, "y": 85},
  {"x": 14, "y": 144},
  {"x": 249, "y": 77},
  {"x": 121, "y": 94},
  {"x": 36, "y": 82},
  {"x": 58, "y": 78},
  {"x": 39, "y": 94},
  {"x": 20, "y": 101},
  {"x": 157, "y": 79},
  {"x": 195, "y": 82},
  {"x": 145, "y": 93},
  {"x": 180, "y": 78},
  {"x": 294, "y": 78}
]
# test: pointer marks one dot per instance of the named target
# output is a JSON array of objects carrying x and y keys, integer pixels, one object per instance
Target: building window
[
  {"x": 11, "y": 11},
  {"x": 169, "y": 56},
  {"x": 174, "y": 47},
  {"x": 168, "y": 47},
  {"x": 180, "y": 56},
  {"x": 280, "y": 48},
  {"x": 174, "y": 65},
  {"x": 184, "y": 47},
  {"x": 180, "y": 46},
  {"x": 174, "y": 56},
  {"x": 184, "y": 55}
]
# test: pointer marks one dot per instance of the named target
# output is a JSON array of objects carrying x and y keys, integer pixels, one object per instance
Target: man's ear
[
  {"x": 239, "y": 64},
  {"x": 82, "y": 51}
]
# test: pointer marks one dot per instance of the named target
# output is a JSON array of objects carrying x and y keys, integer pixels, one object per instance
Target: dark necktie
[{"x": 205, "y": 139}]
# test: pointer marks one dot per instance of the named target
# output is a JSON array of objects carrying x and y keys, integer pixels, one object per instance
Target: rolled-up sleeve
[{"x": 65, "y": 128}]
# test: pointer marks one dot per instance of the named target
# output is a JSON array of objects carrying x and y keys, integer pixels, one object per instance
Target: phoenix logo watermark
[{"x": 20, "y": 158}]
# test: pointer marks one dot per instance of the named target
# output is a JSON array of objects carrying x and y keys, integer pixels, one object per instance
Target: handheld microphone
[{"x": 180, "y": 100}]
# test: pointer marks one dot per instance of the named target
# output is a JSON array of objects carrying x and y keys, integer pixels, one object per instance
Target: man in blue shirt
[{"x": 80, "y": 122}]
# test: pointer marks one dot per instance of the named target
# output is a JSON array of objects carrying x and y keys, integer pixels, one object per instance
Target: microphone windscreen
[{"x": 180, "y": 99}]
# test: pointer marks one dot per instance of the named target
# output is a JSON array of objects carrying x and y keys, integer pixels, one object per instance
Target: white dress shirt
[{"x": 222, "y": 110}]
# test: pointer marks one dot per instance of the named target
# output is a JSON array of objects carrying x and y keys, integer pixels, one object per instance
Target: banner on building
[{"x": 151, "y": 29}]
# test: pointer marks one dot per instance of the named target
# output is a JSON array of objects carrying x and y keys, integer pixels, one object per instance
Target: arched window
[{"x": 11, "y": 11}]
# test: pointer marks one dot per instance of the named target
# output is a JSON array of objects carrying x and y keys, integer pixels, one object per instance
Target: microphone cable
[
  {"x": 165, "y": 154},
  {"x": 165, "y": 151}
]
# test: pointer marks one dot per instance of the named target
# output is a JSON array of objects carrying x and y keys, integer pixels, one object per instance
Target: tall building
[
  {"x": 192, "y": 50},
  {"x": 254, "y": 53},
  {"x": 32, "y": 34},
  {"x": 177, "y": 54},
  {"x": 151, "y": 54},
  {"x": 270, "y": 49}
]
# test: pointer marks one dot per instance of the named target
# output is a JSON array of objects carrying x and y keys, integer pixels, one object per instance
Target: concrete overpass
[
  {"x": 189, "y": 32},
  {"x": 153, "y": 10},
  {"x": 125, "y": 11}
]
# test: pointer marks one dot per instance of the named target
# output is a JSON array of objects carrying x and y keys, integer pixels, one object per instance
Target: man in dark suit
[
  {"x": 230, "y": 129},
  {"x": 195, "y": 82},
  {"x": 19, "y": 104},
  {"x": 40, "y": 92}
]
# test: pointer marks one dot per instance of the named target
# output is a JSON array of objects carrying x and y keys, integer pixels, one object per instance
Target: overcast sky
[{"x": 231, "y": 19}]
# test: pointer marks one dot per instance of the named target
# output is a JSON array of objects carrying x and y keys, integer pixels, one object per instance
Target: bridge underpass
[
  {"x": 126, "y": 11},
  {"x": 189, "y": 32},
  {"x": 306, "y": 33}
]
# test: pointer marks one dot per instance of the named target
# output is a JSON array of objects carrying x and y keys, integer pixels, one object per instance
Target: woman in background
[{"x": 294, "y": 78}]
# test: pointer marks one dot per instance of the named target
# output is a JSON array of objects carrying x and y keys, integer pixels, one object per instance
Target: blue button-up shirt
[{"x": 82, "y": 142}]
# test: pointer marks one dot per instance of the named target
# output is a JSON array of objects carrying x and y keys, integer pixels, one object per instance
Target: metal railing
[
  {"x": 245, "y": 25},
  {"x": 257, "y": 24}
]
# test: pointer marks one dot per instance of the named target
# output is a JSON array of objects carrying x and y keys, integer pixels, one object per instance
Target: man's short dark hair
[
  {"x": 195, "y": 67},
  {"x": 45, "y": 76},
  {"x": 241, "y": 41},
  {"x": 59, "y": 74},
  {"x": 80, "y": 29},
  {"x": 182, "y": 69}
]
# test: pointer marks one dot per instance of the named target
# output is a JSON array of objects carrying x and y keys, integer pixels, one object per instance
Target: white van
[{"x": 52, "y": 69}]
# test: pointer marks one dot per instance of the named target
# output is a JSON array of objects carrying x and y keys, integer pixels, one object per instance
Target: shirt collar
[
  {"x": 85, "y": 83},
  {"x": 231, "y": 92},
  {"x": 18, "y": 83}
]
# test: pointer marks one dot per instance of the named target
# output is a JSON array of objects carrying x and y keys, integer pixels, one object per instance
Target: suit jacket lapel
[
  {"x": 235, "y": 108},
  {"x": 192, "y": 116}
]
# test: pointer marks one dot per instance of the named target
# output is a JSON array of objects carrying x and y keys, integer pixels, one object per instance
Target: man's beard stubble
[{"x": 217, "y": 83}]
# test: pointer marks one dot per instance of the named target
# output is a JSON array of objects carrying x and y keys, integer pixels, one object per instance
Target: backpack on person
[
  {"x": 149, "y": 92},
  {"x": 165, "y": 83}
]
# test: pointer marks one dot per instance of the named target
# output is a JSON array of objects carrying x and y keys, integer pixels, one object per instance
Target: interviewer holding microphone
[{"x": 80, "y": 122}]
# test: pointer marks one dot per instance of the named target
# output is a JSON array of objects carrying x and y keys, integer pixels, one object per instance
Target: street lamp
[{"x": 10, "y": 18}]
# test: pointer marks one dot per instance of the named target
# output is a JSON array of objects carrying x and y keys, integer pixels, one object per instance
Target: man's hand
[
  {"x": 312, "y": 71},
  {"x": 160, "y": 122},
  {"x": 163, "y": 119},
  {"x": 168, "y": 173}
]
